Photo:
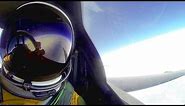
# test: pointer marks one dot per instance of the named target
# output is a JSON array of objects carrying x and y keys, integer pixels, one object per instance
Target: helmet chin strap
[
  {"x": 37, "y": 94},
  {"x": 34, "y": 91}
]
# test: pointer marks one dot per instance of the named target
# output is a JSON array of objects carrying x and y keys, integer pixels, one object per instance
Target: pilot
[{"x": 38, "y": 40}]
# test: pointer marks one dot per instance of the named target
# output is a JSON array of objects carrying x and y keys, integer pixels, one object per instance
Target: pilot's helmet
[{"x": 39, "y": 41}]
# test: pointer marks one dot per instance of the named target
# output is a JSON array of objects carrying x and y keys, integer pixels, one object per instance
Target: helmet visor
[{"x": 55, "y": 38}]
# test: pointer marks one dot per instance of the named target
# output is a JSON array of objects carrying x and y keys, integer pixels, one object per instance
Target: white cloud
[
  {"x": 93, "y": 6},
  {"x": 165, "y": 52},
  {"x": 170, "y": 93}
]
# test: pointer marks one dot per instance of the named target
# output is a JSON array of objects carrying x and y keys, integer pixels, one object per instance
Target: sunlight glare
[{"x": 165, "y": 52}]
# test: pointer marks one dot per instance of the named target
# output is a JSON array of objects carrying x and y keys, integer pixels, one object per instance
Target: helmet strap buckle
[{"x": 27, "y": 86}]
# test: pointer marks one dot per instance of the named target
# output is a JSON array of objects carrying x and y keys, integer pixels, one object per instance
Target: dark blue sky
[{"x": 112, "y": 25}]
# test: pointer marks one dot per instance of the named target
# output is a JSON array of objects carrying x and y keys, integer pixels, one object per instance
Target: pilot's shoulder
[
  {"x": 75, "y": 98},
  {"x": 81, "y": 101}
]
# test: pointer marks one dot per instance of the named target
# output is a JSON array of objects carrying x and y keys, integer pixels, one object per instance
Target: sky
[
  {"x": 140, "y": 38},
  {"x": 137, "y": 33},
  {"x": 122, "y": 23}
]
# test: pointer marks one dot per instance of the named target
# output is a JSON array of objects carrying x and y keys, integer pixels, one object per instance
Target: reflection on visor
[
  {"x": 30, "y": 65},
  {"x": 57, "y": 48},
  {"x": 27, "y": 42},
  {"x": 42, "y": 28},
  {"x": 55, "y": 38}
]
